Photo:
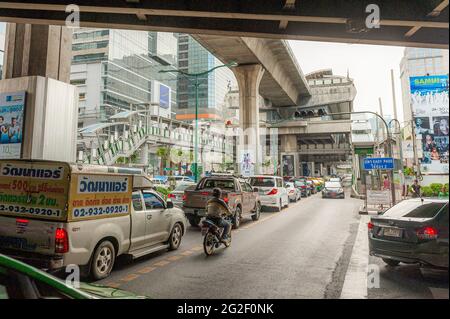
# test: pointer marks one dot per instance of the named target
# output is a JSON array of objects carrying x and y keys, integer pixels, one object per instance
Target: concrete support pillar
[
  {"x": 144, "y": 155},
  {"x": 37, "y": 50},
  {"x": 248, "y": 78},
  {"x": 289, "y": 143}
]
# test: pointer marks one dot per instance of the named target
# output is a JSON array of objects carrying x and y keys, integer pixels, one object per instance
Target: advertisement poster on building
[
  {"x": 288, "y": 165},
  {"x": 247, "y": 162},
  {"x": 407, "y": 150},
  {"x": 429, "y": 101},
  {"x": 12, "y": 110}
]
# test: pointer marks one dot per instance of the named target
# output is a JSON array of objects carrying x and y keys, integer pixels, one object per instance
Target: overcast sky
[{"x": 368, "y": 65}]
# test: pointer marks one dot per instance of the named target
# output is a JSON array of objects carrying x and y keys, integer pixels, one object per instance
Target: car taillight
[
  {"x": 370, "y": 226},
  {"x": 226, "y": 199},
  {"x": 171, "y": 196},
  {"x": 184, "y": 197},
  {"x": 427, "y": 232},
  {"x": 274, "y": 191},
  {"x": 204, "y": 193},
  {"x": 304, "y": 186},
  {"x": 61, "y": 241}
]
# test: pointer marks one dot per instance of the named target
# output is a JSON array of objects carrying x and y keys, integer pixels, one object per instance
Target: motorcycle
[{"x": 212, "y": 237}]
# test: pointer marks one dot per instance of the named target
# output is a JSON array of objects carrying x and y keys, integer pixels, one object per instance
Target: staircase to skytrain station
[{"x": 125, "y": 134}]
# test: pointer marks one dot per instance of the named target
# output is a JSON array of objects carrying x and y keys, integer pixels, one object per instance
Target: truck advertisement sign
[
  {"x": 34, "y": 189},
  {"x": 99, "y": 196}
]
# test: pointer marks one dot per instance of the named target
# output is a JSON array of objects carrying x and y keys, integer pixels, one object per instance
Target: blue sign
[
  {"x": 164, "y": 96},
  {"x": 378, "y": 163}
]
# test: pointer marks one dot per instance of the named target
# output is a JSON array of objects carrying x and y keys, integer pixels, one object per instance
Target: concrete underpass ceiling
[
  {"x": 414, "y": 23},
  {"x": 274, "y": 55}
]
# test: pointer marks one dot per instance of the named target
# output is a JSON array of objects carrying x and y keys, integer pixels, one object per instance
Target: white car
[
  {"x": 272, "y": 191},
  {"x": 294, "y": 193},
  {"x": 159, "y": 183}
]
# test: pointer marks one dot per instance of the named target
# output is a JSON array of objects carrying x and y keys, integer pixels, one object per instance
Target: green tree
[{"x": 163, "y": 153}]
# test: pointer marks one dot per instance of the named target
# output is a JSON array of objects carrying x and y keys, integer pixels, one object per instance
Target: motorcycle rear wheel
[{"x": 209, "y": 243}]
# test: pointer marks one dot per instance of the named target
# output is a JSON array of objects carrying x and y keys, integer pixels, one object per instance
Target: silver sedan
[{"x": 177, "y": 195}]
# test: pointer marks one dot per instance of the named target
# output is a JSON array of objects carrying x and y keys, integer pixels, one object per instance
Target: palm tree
[{"x": 163, "y": 153}]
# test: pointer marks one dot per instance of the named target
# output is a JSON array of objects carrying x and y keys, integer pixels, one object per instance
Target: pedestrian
[
  {"x": 415, "y": 189},
  {"x": 386, "y": 183}
]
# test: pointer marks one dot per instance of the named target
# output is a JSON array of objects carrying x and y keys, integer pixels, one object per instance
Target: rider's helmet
[{"x": 217, "y": 192}]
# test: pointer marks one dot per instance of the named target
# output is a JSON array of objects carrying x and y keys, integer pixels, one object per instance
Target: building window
[
  {"x": 82, "y": 96},
  {"x": 90, "y": 45},
  {"x": 78, "y": 82}
]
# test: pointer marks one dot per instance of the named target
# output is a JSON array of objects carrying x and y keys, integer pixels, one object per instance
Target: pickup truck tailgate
[{"x": 28, "y": 235}]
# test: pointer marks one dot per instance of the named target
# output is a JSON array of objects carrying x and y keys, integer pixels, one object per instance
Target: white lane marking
[
  {"x": 355, "y": 282},
  {"x": 439, "y": 293}
]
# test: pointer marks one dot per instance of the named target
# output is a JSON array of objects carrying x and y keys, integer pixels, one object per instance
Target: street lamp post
[{"x": 196, "y": 76}]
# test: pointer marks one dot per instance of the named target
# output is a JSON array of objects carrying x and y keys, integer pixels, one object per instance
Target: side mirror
[
  {"x": 169, "y": 205},
  {"x": 255, "y": 189}
]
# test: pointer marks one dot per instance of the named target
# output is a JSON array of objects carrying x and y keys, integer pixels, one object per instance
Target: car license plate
[{"x": 391, "y": 232}]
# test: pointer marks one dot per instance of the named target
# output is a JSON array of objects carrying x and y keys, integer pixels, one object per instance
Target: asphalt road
[{"x": 302, "y": 252}]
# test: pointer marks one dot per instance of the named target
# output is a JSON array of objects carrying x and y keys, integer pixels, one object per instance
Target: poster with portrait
[
  {"x": 288, "y": 165},
  {"x": 12, "y": 110},
  {"x": 429, "y": 101},
  {"x": 247, "y": 162}
]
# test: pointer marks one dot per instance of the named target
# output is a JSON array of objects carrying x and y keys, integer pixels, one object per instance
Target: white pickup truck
[{"x": 53, "y": 214}]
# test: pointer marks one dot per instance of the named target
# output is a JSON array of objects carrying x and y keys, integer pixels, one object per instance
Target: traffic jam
[{"x": 56, "y": 215}]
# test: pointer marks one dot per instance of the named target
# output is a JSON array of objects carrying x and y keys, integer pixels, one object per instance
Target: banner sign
[
  {"x": 98, "y": 196},
  {"x": 34, "y": 189},
  {"x": 378, "y": 197},
  {"x": 247, "y": 162},
  {"x": 12, "y": 112},
  {"x": 386, "y": 163},
  {"x": 429, "y": 100}
]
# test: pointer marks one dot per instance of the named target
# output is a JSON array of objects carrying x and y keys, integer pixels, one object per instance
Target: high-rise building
[
  {"x": 117, "y": 70},
  {"x": 193, "y": 58}
]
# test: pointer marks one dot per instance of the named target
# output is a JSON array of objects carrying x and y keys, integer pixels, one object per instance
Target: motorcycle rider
[{"x": 216, "y": 209}]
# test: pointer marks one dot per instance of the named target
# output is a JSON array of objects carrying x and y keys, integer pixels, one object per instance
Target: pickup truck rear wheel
[
  {"x": 175, "y": 237},
  {"x": 194, "y": 221},
  {"x": 103, "y": 260},
  {"x": 237, "y": 218},
  {"x": 257, "y": 213}
]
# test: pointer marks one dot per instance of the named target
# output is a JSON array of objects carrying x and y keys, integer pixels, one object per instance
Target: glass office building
[
  {"x": 117, "y": 70},
  {"x": 193, "y": 58}
]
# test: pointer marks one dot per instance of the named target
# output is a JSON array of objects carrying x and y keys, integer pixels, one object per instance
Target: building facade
[
  {"x": 424, "y": 80},
  {"x": 212, "y": 88},
  {"x": 117, "y": 70}
]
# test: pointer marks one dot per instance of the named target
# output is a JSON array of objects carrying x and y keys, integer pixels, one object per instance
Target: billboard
[
  {"x": 429, "y": 101},
  {"x": 288, "y": 165},
  {"x": 247, "y": 162},
  {"x": 12, "y": 112}
]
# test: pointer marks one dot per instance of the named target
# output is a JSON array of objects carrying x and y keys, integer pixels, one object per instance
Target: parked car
[
  {"x": 242, "y": 199},
  {"x": 82, "y": 215},
  {"x": 177, "y": 195},
  {"x": 333, "y": 190},
  {"x": 159, "y": 183},
  {"x": 415, "y": 231},
  {"x": 173, "y": 181},
  {"x": 19, "y": 280},
  {"x": 293, "y": 192},
  {"x": 272, "y": 192},
  {"x": 300, "y": 183}
]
